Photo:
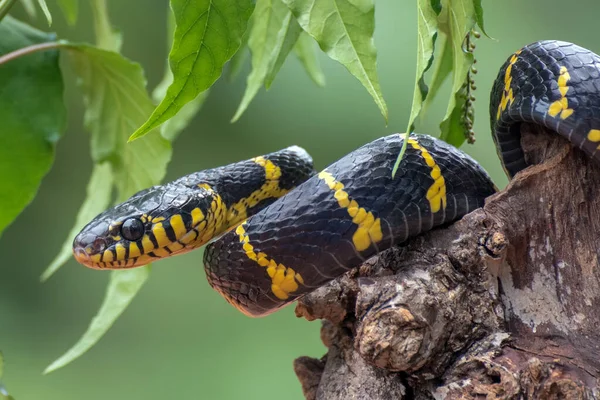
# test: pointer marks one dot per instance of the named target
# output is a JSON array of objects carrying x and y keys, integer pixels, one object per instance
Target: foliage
[
  {"x": 455, "y": 20},
  {"x": 206, "y": 35},
  {"x": 28, "y": 86}
]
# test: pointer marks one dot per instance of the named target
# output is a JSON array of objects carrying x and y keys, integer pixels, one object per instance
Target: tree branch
[{"x": 503, "y": 303}]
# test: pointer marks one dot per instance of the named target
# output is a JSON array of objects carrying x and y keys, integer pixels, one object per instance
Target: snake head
[{"x": 152, "y": 224}]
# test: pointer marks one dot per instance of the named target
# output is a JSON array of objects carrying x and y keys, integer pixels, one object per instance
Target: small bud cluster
[{"x": 468, "y": 112}]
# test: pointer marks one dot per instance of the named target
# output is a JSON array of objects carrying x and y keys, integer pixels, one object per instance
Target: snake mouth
[
  {"x": 83, "y": 257},
  {"x": 95, "y": 261}
]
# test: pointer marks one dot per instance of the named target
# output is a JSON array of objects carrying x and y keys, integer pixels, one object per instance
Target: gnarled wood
[{"x": 503, "y": 304}]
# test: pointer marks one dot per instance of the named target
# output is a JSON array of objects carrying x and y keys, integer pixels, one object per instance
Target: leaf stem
[
  {"x": 106, "y": 37},
  {"x": 29, "y": 50},
  {"x": 5, "y": 6}
]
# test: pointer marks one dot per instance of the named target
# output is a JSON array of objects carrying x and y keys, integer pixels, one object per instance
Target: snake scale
[{"x": 278, "y": 230}]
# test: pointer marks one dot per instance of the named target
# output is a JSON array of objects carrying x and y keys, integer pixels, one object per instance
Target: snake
[{"x": 275, "y": 229}]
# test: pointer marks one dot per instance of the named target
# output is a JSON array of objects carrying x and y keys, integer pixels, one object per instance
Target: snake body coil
[
  {"x": 339, "y": 218},
  {"x": 277, "y": 246},
  {"x": 550, "y": 83}
]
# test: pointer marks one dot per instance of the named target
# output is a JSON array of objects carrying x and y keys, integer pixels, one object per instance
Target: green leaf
[
  {"x": 98, "y": 197},
  {"x": 70, "y": 9},
  {"x": 344, "y": 30},
  {"x": 32, "y": 115},
  {"x": 122, "y": 288},
  {"x": 173, "y": 127},
  {"x": 287, "y": 41},
  {"x": 426, "y": 33},
  {"x": 305, "y": 50},
  {"x": 5, "y": 7},
  {"x": 459, "y": 18},
  {"x": 479, "y": 16},
  {"x": 237, "y": 61},
  {"x": 142, "y": 165},
  {"x": 46, "y": 11},
  {"x": 160, "y": 90},
  {"x": 30, "y": 8},
  {"x": 116, "y": 101},
  {"x": 239, "y": 58},
  {"x": 443, "y": 68},
  {"x": 208, "y": 34},
  {"x": 274, "y": 33},
  {"x": 1, "y": 364},
  {"x": 452, "y": 127},
  {"x": 106, "y": 37}
]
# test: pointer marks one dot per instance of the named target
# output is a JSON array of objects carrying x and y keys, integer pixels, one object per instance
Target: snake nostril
[{"x": 81, "y": 254}]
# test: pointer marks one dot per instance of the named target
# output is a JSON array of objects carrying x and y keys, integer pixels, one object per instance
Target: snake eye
[{"x": 132, "y": 229}]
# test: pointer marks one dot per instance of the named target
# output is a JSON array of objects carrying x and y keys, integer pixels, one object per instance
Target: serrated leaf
[
  {"x": 274, "y": 33},
  {"x": 107, "y": 38},
  {"x": 234, "y": 67},
  {"x": 452, "y": 127},
  {"x": 70, "y": 9},
  {"x": 116, "y": 101},
  {"x": 289, "y": 39},
  {"x": 160, "y": 90},
  {"x": 46, "y": 11},
  {"x": 344, "y": 30},
  {"x": 239, "y": 58},
  {"x": 122, "y": 288},
  {"x": 32, "y": 115},
  {"x": 443, "y": 68},
  {"x": 305, "y": 50},
  {"x": 479, "y": 16},
  {"x": 173, "y": 127},
  {"x": 98, "y": 197},
  {"x": 143, "y": 164},
  {"x": 208, "y": 34},
  {"x": 459, "y": 18},
  {"x": 427, "y": 29}
]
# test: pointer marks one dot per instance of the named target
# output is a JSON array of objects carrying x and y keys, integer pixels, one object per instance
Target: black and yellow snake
[{"x": 286, "y": 230}]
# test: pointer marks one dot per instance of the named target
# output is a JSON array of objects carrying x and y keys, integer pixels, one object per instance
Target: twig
[{"x": 28, "y": 50}]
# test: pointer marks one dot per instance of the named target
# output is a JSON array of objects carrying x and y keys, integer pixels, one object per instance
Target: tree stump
[{"x": 503, "y": 304}]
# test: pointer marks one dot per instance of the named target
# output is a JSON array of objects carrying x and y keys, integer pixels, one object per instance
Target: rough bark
[{"x": 503, "y": 304}]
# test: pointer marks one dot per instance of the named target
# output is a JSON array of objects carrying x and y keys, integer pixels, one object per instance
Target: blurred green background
[{"x": 179, "y": 339}]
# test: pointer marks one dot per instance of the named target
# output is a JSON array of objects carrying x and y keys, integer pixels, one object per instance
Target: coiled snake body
[{"x": 286, "y": 230}]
